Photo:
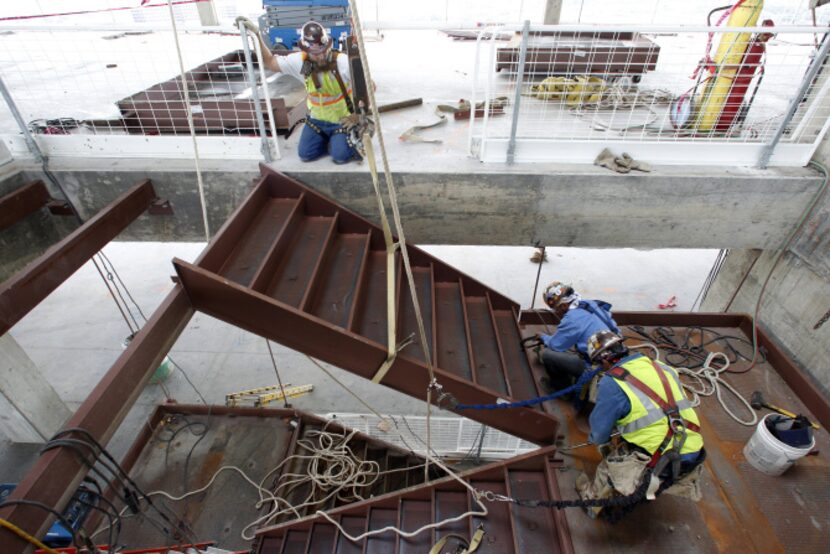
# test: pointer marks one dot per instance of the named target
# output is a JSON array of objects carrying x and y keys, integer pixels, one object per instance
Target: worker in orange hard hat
[{"x": 326, "y": 75}]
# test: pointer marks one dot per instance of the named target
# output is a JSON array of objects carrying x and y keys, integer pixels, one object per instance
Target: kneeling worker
[
  {"x": 645, "y": 402},
  {"x": 578, "y": 320},
  {"x": 325, "y": 74}
]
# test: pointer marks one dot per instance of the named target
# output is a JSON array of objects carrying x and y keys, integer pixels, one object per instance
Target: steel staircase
[
  {"x": 297, "y": 268},
  {"x": 508, "y": 528}
]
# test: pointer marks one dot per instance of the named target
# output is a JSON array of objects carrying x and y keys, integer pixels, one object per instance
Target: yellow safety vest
[
  {"x": 326, "y": 103},
  {"x": 647, "y": 425}
]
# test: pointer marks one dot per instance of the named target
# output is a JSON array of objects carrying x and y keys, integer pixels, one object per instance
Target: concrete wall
[
  {"x": 587, "y": 206},
  {"x": 26, "y": 239},
  {"x": 798, "y": 293}
]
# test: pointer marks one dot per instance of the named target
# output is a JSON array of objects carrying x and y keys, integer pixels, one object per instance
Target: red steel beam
[
  {"x": 58, "y": 472},
  {"x": 21, "y": 202},
  {"x": 269, "y": 318},
  {"x": 27, "y": 288}
]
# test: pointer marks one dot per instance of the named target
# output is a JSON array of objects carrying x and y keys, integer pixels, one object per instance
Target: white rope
[
  {"x": 186, "y": 94},
  {"x": 707, "y": 381}
]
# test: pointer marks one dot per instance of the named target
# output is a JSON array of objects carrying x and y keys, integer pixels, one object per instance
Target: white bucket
[{"x": 769, "y": 455}]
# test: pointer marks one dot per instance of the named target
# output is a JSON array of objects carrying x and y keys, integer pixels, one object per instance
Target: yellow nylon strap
[
  {"x": 391, "y": 247},
  {"x": 471, "y": 547}
]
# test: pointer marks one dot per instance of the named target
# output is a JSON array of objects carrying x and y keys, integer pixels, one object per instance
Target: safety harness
[{"x": 670, "y": 447}]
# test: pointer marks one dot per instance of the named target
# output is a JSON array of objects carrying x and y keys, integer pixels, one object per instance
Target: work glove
[{"x": 247, "y": 22}]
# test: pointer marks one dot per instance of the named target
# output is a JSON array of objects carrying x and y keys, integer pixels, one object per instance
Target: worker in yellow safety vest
[
  {"x": 643, "y": 400},
  {"x": 326, "y": 75}
]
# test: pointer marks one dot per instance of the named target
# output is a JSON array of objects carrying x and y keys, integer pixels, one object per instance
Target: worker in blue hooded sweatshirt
[{"x": 565, "y": 355}]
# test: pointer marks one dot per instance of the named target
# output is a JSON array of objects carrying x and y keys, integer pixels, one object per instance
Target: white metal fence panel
[
  {"x": 116, "y": 92},
  {"x": 451, "y": 436},
  {"x": 670, "y": 95}
]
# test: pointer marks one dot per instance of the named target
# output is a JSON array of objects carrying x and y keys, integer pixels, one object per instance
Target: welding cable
[
  {"x": 128, "y": 483},
  {"x": 26, "y": 536},
  {"x": 59, "y": 516}
]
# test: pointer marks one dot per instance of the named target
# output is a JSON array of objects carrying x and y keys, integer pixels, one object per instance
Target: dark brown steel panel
[
  {"x": 27, "y": 288},
  {"x": 288, "y": 285},
  {"x": 353, "y": 525},
  {"x": 21, "y": 202},
  {"x": 488, "y": 360},
  {"x": 271, "y": 319},
  {"x": 519, "y": 376},
  {"x": 350, "y": 222},
  {"x": 321, "y": 539},
  {"x": 253, "y": 246},
  {"x": 295, "y": 542},
  {"x": 453, "y": 354},
  {"x": 279, "y": 247},
  {"x": 449, "y": 504},
  {"x": 499, "y": 535},
  {"x": 338, "y": 279},
  {"x": 57, "y": 473},
  {"x": 535, "y": 528},
  {"x": 407, "y": 322},
  {"x": 378, "y": 519},
  {"x": 370, "y": 316},
  {"x": 414, "y": 514}
]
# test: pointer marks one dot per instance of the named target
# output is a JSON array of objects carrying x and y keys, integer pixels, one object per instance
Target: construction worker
[
  {"x": 578, "y": 320},
  {"x": 325, "y": 73},
  {"x": 644, "y": 402}
]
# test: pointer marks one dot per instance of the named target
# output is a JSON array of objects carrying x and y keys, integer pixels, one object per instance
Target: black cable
[
  {"x": 111, "y": 279},
  {"x": 110, "y": 518},
  {"x": 132, "y": 484},
  {"x": 713, "y": 12},
  {"x": 54, "y": 512},
  {"x": 113, "y": 510},
  {"x": 112, "y": 294},
  {"x": 126, "y": 290}
]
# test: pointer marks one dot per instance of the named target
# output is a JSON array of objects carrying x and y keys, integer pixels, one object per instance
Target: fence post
[
  {"x": 812, "y": 71},
  {"x": 514, "y": 125},
  {"x": 266, "y": 148}
]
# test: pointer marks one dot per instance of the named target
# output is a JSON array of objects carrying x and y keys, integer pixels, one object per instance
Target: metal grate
[
  {"x": 451, "y": 436},
  {"x": 677, "y": 95}
]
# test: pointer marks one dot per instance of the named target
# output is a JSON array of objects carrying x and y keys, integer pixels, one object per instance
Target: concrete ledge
[{"x": 474, "y": 203}]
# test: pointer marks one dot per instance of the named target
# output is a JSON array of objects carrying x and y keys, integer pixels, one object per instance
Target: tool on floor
[
  {"x": 400, "y": 105},
  {"x": 264, "y": 395},
  {"x": 670, "y": 303},
  {"x": 463, "y": 110},
  {"x": 757, "y": 402}
]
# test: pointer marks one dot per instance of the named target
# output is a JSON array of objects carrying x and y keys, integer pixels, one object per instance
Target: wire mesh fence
[
  {"x": 729, "y": 92},
  {"x": 81, "y": 83}
]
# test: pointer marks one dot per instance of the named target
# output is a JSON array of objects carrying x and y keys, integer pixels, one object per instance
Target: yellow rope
[{"x": 26, "y": 536}]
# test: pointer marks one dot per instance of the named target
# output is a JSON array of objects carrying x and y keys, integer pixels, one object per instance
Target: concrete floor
[{"x": 75, "y": 335}]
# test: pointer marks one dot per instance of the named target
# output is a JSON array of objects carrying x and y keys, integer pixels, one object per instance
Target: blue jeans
[{"x": 313, "y": 145}]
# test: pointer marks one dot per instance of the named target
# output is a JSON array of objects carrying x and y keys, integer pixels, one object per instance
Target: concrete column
[
  {"x": 553, "y": 10},
  {"x": 207, "y": 13},
  {"x": 30, "y": 409}
]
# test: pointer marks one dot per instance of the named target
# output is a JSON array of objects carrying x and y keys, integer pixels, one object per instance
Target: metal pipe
[
  {"x": 27, "y": 135},
  {"x": 266, "y": 148},
  {"x": 514, "y": 124},
  {"x": 795, "y": 101}
]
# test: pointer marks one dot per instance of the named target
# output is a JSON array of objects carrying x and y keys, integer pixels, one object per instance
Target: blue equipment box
[
  {"x": 282, "y": 20},
  {"x": 58, "y": 536}
]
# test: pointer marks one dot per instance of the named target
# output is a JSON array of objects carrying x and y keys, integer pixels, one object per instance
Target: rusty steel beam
[
  {"x": 58, "y": 472},
  {"x": 21, "y": 202},
  {"x": 27, "y": 288},
  {"x": 269, "y": 318}
]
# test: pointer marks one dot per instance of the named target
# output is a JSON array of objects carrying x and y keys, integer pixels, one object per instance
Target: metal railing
[
  {"x": 118, "y": 92},
  {"x": 747, "y": 96}
]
